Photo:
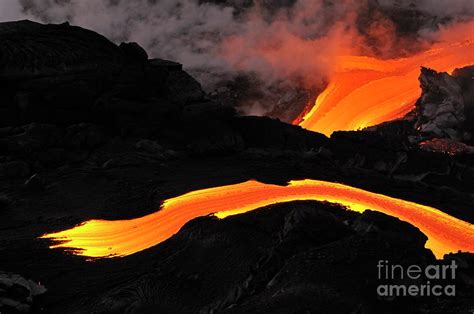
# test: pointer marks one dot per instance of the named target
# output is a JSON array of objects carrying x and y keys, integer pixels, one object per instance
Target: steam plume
[{"x": 285, "y": 44}]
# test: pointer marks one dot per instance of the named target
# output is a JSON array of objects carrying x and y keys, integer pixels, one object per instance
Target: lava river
[
  {"x": 365, "y": 91},
  {"x": 102, "y": 238}
]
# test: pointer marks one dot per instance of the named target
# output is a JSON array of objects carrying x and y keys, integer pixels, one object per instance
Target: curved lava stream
[{"x": 102, "y": 238}]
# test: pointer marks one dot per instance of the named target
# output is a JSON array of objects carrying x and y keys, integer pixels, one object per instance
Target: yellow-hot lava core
[{"x": 102, "y": 238}]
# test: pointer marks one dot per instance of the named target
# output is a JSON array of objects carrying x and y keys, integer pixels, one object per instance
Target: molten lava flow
[
  {"x": 365, "y": 91},
  {"x": 100, "y": 238}
]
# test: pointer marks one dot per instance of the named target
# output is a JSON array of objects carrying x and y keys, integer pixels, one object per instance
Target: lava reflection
[{"x": 102, "y": 238}]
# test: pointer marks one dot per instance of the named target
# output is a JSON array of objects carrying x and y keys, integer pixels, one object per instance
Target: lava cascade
[
  {"x": 102, "y": 238},
  {"x": 365, "y": 91}
]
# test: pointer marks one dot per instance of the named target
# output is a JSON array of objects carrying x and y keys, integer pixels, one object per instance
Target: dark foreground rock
[{"x": 287, "y": 258}]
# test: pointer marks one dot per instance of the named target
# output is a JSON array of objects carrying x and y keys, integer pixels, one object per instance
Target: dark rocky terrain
[{"x": 89, "y": 129}]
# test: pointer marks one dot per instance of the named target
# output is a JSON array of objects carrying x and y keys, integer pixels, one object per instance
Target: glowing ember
[
  {"x": 448, "y": 146},
  {"x": 101, "y": 238},
  {"x": 366, "y": 91}
]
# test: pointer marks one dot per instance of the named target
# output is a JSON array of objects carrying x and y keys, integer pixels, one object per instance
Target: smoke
[
  {"x": 281, "y": 45},
  {"x": 10, "y": 10},
  {"x": 184, "y": 30},
  {"x": 456, "y": 9},
  {"x": 214, "y": 41}
]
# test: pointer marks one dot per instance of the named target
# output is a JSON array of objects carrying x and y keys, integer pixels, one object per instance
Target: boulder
[{"x": 440, "y": 109}]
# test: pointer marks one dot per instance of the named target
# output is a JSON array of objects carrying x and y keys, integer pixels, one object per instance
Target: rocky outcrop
[
  {"x": 66, "y": 91},
  {"x": 63, "y": 74},
  {"x": 442, "y": 107}
]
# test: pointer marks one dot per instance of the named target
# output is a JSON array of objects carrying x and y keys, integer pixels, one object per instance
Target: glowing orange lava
[
  {"x": 366, "y": 91},
  {"x": 101, "y": 238}
]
